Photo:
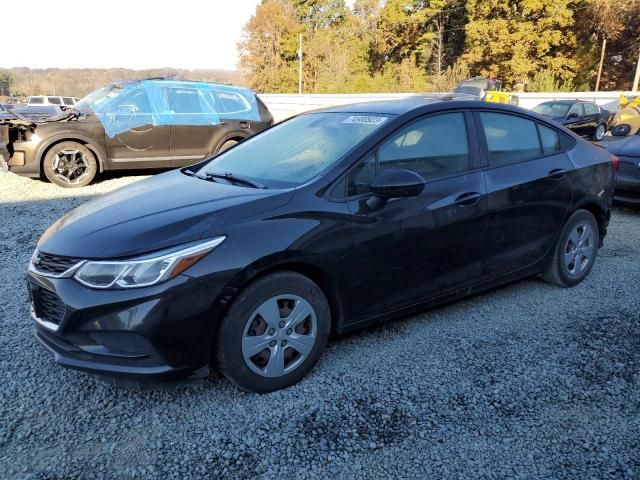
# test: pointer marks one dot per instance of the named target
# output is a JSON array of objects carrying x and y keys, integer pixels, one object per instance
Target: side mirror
[
  {"x": 572, "y": 115},
  {"x": 395, "y": 183}
]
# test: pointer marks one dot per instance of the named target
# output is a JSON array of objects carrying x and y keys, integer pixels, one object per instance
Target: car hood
[
  {"x": 159, "y": 212},
  {"x": 628, "y": 147}
]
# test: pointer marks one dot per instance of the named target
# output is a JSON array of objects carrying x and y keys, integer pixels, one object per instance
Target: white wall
[{"x": 286, "y": 104}]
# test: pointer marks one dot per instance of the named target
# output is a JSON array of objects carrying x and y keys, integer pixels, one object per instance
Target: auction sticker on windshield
[{"x": 365, "y": 120}]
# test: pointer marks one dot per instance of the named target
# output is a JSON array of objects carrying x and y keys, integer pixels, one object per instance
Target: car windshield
[
  {"x": 552, "y": 109},
  {"x": 98, "y": 98},
  {"x": 295, "y": 151}
]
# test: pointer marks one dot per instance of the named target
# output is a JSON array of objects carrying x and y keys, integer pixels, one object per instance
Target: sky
[{"x": 136, "y": 34}]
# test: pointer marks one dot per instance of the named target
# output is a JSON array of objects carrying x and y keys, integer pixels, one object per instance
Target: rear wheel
[
  {"x": 575, "y": 251},
  {"x": 274, "y": 332},
  {"x": 598, "y": 135},
  {"x": 70, "y": 165}
]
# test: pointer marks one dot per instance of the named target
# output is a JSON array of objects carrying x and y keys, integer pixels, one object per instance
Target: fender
[{"x": 98, "y": 150}]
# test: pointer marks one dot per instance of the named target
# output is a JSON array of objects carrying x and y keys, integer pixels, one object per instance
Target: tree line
[
  {"x": 77, "y": 82},
  {"x": 430, "y": 45}
]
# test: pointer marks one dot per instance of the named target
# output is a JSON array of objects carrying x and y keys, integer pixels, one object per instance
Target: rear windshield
[{"x": 296, "y": 151}]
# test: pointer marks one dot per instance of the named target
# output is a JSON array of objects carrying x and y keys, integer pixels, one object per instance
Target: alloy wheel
[
  {"x": 579, "y": 249},
  {"x": 71, "y": 166},
  {"x": 600, "y": 131},
  {"x": 279, "y": 335}
]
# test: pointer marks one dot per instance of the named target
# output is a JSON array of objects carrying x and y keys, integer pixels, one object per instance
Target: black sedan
[
  {"x": 327, "y": 222},
  {"x": 587, "y": 119},
  {"x": 628, "y": 178}
]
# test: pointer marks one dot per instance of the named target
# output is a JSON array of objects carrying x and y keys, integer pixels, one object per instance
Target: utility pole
[
  {"x": 636, "y": 79},
  {"x": 604, "y": 46},
  {"x": 300, "y": 64}
]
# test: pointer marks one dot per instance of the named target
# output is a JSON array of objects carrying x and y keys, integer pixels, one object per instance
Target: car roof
[
  {"x": 422, "y": 102},
  {"x": 567, "y": 102},
  {"x": 173, "y": 80}
]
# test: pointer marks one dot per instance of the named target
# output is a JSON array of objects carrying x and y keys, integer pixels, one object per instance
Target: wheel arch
[
  {"x": 601, "y": 215},
  {"x": 316, "y": 274},
  {"x": 87, "y": 142}
]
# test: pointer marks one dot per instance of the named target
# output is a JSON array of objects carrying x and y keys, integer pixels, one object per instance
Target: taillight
[{"x": 616, "y": 162}]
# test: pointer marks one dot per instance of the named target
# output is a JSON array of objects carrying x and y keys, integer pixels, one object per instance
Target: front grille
[
  {"x": 629, "y": 169},
  {"x": 53, "y": 264},
  {"x": 48, "y": 305}
]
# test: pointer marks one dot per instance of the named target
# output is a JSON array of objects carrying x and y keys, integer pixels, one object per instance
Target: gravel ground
[{"x": 527, "y": 381}]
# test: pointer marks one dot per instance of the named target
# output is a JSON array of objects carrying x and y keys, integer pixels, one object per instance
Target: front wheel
[
  {"x": 598, "y": 135},
  {"x": 274, "y": 332},
  {"x": 70, "y": 165},
  {"x": 575, "y": 251}
]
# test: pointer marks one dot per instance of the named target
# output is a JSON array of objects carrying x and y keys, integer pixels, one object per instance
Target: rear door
[
  {"x": 529, "y": 189},
  {"x": 411, "y": 249},
  {"x": 591, "y": 117},
  {"x": 196, "y": 128}
]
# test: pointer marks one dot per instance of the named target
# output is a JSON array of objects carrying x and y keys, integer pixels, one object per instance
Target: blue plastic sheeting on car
[{"x": 146, "y": 103}]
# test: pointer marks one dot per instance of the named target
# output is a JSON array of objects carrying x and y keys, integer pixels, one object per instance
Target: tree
[
  {"x": 6, "y": 82},
  {"x": 268, "y": 49},
  {"x": 512, "y": 40}
]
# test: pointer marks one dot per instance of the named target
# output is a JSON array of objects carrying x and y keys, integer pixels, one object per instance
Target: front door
[
  {"x": 132, "y": 137},
  {"x": 410, "y": 249},
  {"x": 529, "y": 189}
]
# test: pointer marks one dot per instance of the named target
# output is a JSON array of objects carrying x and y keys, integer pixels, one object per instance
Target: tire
[
  {"x": 227, "y": 145},
  {"x": 577, "y": 247},
  {"x": 599, "y": 132},
  {"x": 621, "y": 130},
  {"x": 248, "y": 345},
  {"x": 70, "y": 165}
]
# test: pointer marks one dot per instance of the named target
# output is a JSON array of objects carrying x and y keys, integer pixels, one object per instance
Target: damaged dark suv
[{"x": 153, "y": 123}]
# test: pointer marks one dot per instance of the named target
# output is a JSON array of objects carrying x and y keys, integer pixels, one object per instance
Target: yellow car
[
  {"x": 486, "y": 89},
  {"x": 627, "y": 120}
]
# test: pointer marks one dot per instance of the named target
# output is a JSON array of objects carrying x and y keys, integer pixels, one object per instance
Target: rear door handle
[
  {"x": 467, "y": 199},
  {"x": 557, "y": 173}
]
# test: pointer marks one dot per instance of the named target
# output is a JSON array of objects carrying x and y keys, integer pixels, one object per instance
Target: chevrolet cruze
[{"x": 325, "y": 223}]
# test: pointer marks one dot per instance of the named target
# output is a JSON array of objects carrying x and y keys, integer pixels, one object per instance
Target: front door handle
[
  {"x": 244, "y": 125},
  {"x": 467, "y": 199},
  {"x": 557, "y": 173}
]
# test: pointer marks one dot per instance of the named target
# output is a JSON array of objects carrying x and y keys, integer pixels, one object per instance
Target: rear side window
[
  {"x": 510, "y": 139},
  {"x": 55, "y": 100},
  {"x": 590, "y": 108},
  {"x": 550, "y": 140},
  {"x": 36, "y": 100}
]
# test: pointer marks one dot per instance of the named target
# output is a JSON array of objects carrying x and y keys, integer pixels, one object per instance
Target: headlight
[{"x": 143, "y": 271}]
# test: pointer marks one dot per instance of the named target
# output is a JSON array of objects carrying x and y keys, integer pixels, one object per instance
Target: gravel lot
[{"x": 527, "y": 381}]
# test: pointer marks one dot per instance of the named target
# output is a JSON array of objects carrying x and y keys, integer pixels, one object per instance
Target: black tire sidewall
[
  {"x": 579, "y": 216},
  {"x": 229, "y": 336},
  {"x": 595, "y": 133},
  {"x": 47, "y": 164}
]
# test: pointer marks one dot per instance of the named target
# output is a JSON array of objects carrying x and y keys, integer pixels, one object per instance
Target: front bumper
[{"x": 132, "y": 338}]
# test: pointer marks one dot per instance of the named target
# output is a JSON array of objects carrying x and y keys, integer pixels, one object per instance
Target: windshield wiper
[
  {"x": 232, "y": 178},
  {"x": 226, "y": 176}
]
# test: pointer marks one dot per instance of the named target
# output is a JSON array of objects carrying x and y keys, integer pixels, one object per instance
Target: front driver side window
[
  {"x": 434, "y": 147},
  {"x": 577, "y": 109}
]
